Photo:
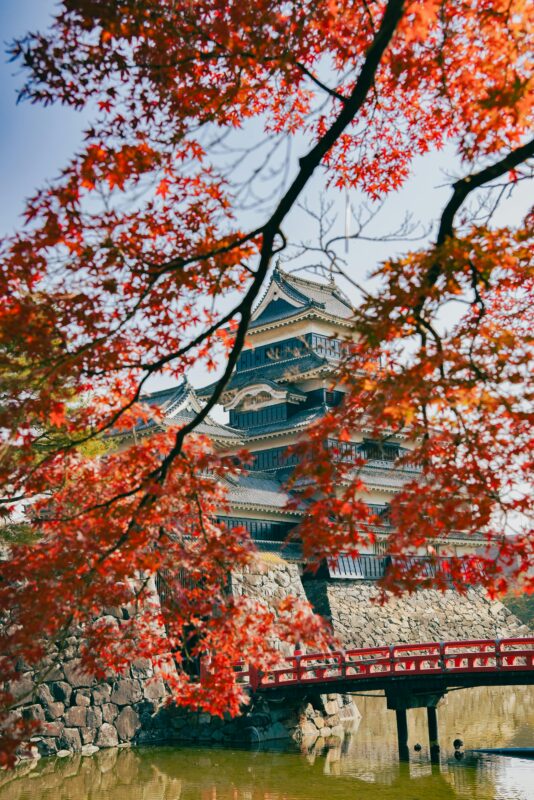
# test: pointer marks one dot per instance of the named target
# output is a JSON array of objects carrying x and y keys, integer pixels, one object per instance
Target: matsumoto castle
[{"x": 283, "y": 382}]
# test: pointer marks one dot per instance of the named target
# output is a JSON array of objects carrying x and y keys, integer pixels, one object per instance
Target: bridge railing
[{"x": 427, "y": 658}]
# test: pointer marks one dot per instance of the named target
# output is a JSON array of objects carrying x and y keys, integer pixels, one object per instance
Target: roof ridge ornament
[{"x": 280, "y": 275}]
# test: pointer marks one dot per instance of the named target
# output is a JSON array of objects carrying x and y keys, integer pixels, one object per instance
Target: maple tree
[{"x": 115, "y": 276}]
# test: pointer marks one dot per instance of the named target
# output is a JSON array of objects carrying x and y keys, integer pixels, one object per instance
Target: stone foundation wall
[
  {"x": 426, "y": 615},
  {"x": 269, "y": 578},
  {"x": 326, "y": 718},
  {"x": 76, "y": 713}
]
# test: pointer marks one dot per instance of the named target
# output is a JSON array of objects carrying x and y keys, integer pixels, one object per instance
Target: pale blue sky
[{"x": 34, "y": 141}]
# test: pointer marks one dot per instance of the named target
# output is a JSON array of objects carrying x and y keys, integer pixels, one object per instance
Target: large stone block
[
  {"x": 126, "y": 691},
  {"x": 154, "y": 689},
  {"x": 88, "y": 735},
  {"x": 141, "y": 668},
  {"x": 107, "y": 736},
  {"x": 109, "y": 712},
  {"x": 82, "y": 698},
  {"x": 52, "y": 729},
  {"x": 127, "y": 723},
  {"x": 76, "y": 717},
  {"x": 70, "y": 739},
  {"x": 62, "y": 691},
  {"x": 94, "y": 717},
  {"x": 44, "y": 695},
  {"x": 34, "y": 712},
  {"x": 54, "y": 710},
  {"x": 101, "y": 694},
  {"x": 21, "y": 690},
  {"x": 76, "y": 675}
]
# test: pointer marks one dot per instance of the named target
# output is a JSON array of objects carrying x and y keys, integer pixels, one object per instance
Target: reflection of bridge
[{"x": 411, "y": 675}]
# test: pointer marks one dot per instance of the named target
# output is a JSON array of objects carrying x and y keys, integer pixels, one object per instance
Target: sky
[{"x": 35, "y": 142}]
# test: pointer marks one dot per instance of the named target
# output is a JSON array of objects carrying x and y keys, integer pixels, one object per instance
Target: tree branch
[
  {"x": 320, "y": 84},
  {"x": 465, "y": 186},
  {"x": 269, "y": 232},
  {"x": 308, "y": 164},
  {"x": 461, "y": 190}
]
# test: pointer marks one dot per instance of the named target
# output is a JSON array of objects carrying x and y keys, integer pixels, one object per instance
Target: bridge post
[
  {"x": 433, "y": 739},
  {"x": 254, "y": 677},
  {"x": 204, "y": 670},
  {"x": 402, "y": 734}
]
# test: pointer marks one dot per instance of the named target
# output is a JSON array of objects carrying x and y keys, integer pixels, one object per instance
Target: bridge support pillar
[
  {"x": 402, "y": 734},
  {"x": 400, "y": 701},
  {"x": 433, "y": 739}
]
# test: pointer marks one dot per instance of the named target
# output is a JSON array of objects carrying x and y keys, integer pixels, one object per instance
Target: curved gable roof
[
  {"x": 285, "y": 372},
  {"x": 179, "y": 405},
  {"x": 288, "y": 294}
]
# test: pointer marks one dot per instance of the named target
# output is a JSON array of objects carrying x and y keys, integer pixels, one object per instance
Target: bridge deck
[{"x": 429, "y": 666}]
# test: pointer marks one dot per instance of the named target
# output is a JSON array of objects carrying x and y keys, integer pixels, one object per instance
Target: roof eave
[
  {"x": 263, "y": 508},
  {"x": 309, "y": 312}
]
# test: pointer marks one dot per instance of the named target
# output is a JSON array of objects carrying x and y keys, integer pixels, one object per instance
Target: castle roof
[
  {"x": 284, "y": 371},
  {"x": 174, "y": 399},
  {"x": 179, "y": 405},
  {"x": 288, "y": 294},
  {"x": 256, "y": 490}
]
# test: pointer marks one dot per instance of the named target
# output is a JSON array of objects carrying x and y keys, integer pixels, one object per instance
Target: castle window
[
  {"x": 346, "y": 451},
  {"x": 380, "y": 451},
  {"x": 263, "y": 416},
  {"x": 327, "y": 347},
  {"x": 333, "y": 398},
  {"x": 370, "y": 450},
  {"x": 260, "y": 530},
  {"x": 274, "y": 458}
]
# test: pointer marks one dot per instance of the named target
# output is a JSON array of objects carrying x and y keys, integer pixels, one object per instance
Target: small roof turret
[{"x": 178, "y": 406}]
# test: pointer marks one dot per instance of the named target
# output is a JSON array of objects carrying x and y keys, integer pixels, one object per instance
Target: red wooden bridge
[
  {"x": 460, "y": 663},
  {"x": 411, "y": 675}
]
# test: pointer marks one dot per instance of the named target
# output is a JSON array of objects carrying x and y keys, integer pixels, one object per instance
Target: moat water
[{"x": 364, "y": 767}]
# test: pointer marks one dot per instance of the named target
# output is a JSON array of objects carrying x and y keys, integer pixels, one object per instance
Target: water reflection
[{"x": 364, "y": 766}]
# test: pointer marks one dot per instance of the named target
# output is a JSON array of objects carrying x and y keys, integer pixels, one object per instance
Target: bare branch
[
  {"x": 320, "y": 84},
  {"x": 465, "y": 186}
]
